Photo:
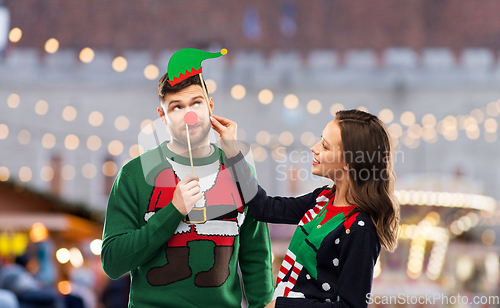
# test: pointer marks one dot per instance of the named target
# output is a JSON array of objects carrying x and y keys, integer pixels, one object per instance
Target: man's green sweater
[{"x": 184, "y": 261}]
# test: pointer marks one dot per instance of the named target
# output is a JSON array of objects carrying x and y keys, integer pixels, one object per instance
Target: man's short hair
[{"x": 165, "y": 88}]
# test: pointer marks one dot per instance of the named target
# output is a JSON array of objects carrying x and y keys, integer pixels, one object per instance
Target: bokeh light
[
  {"x": 386, "y": 115},
  {"x": 336, "y": 107},
  {"x": 109, "y": 168},
  {"x": 75, "y": 257},
  {"x": 95, "y": 118},
  {"x": 407, "y": 118},
  {"x": 41, "y": 107},
  {"x": 38, "y": 232},
  {"x": 13, "y": 101},
  {"x": 64, "y": 287},
  {"x": 265, "y": 96},
  {"x": 115, "y": 148},
  {"x": 259, "y": 154},
  {"x": 490, "y": 125},
  {"x": 62, "y": 255},
  {"x": 308, "y": 139},
  {"x": 89, "y": 171},
  {"x": 4, "y": 174},
  {"x": 47, "y": 173},
  {"x": 286, "y": 138},
  {"x": 69, "y": 113},
  {"x": 314, "y": 106},
  {"x": 135, "y": 150},
  {"x": 151, "y": 72},
  {"x": 71, "y": 142},
  {"x": 24, "y": 137},
  {"x": 488, "y": 237},
  {"x": 119, "y": 64},
  {"x": 395, "y": 130},
  {"x": 211, "y": 86},
  {"x": 238, "y": 92},
  {"x": 94, "y": 143},
  {"x": 95, "y": 246},
  {"x": 291, "y": 101},
  {"x": 15, "y": 35},
  {"x": 478, "y": 115},
  {"x": 86, "y": 55},
  {"x": 263, "y": 137},
  {"x": 429, "y": 120},
  {"x": 4, "y": 131},
  {"x": 52, "y": 45},
  {"x": 68, "y": 172},
  {"x": 122, "y": 123}
]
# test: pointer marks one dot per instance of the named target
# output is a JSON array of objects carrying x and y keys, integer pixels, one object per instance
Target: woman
[{"x": 341, "y": 229}]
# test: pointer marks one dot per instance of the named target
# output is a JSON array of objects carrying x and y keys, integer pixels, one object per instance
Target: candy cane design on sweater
[{"x": 292, "y": 265}]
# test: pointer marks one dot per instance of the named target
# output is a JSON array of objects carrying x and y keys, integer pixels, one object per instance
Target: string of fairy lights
[{"x": 408, "y": 131}]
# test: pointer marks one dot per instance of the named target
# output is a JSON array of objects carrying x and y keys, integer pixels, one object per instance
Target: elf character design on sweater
[
  {"x": 217, "y": 217},
  {"x": 312, "y": 229}
]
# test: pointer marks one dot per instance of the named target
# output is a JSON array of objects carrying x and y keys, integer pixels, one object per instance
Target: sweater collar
[{"x": 332, "y": 211}]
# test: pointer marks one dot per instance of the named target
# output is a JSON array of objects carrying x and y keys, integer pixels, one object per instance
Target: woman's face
[{"x": 328, "y": 160}]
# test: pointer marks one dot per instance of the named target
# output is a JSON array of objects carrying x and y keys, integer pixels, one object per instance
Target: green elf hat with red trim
[{"x": 187, "y": 62}]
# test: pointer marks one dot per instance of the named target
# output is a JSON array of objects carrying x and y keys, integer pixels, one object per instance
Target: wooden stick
[
  {"x": 189, "y": 148},
  {"x": 205, "y": 93}
]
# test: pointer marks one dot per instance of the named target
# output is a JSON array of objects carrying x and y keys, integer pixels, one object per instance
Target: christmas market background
[{"x": 78, "y": 87}]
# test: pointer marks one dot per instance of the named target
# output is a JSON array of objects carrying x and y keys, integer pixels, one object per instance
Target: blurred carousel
[{"x": 445, "y": 248}]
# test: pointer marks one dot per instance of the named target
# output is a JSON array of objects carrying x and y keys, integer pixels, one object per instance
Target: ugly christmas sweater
[
  {"x": 184, "y": 261},
  {"x": 330, "y": 260}
]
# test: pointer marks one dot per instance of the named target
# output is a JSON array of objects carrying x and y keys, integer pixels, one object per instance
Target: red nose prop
[{"x": 191, "y": 118}]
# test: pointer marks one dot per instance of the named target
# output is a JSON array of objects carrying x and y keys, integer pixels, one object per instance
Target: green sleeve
[
  {"x": 256, "y": 262},
  {"x": 126, "y": 244}
]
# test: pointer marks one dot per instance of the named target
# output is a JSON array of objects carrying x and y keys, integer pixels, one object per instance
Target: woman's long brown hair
[{"x": 369, "y": 156}]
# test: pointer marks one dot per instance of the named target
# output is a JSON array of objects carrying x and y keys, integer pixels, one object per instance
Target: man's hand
[
  {"x": 187, "y": 193},
  {"x": 227, "y": 131},
  {"x": 271, "y": 304}
]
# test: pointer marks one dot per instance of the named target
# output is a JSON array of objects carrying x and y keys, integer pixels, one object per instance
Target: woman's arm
[
  {"x": 282, "y": 210},
  {"x": 263, "y": 207},
  {"x": 285, "y": 210}
]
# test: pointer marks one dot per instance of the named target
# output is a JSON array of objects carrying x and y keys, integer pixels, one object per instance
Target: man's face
[{"x": 174, "y": 108}]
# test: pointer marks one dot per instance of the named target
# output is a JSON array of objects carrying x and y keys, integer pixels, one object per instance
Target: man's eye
[
  {"x": 324, "y": 147},
  {"x": 176, "y": 108},
  {"x": 197, "y": 103}
]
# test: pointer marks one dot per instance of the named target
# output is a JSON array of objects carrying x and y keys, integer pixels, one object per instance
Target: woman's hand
[
  {"x": 271, "y": 304},
  {"x": 227, "y": 131}
]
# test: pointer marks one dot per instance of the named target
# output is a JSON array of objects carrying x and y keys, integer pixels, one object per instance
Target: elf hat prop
[{"x": 187, "y": 62}]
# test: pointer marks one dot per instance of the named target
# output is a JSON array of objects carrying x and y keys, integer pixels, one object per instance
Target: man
[{"x": 182, "y": 235}]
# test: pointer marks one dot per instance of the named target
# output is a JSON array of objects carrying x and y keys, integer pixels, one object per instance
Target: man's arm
[
  {"x": 256, "y": 261},
  {"x": 126, "y": 245}
]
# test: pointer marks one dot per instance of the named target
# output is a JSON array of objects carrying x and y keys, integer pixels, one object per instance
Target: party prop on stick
[
  {"x": 186, "y": 63},
  {"x": 190, "y": 118}
]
